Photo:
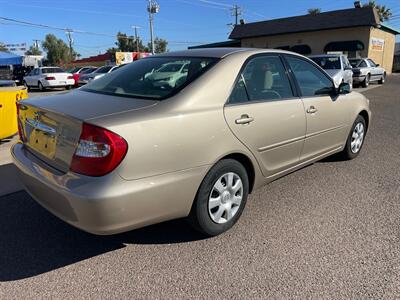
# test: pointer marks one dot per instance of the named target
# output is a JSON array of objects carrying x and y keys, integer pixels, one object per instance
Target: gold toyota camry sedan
[{"x": 183, "y": 134}]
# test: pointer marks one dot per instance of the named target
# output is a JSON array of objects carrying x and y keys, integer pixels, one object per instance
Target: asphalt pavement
[{"x": 328, "y": 231}]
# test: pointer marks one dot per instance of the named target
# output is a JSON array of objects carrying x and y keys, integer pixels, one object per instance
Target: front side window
[
  {"x": 263, "y": 78},
  {"x": 151, "y": 78},
  {"x": 311, "y": 80},
  {"x": 103, "y": 70}
]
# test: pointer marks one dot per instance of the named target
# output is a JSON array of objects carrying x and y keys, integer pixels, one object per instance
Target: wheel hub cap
[
  {"x": 225, "y": 198},
  {"x": 357, "y": 138}
]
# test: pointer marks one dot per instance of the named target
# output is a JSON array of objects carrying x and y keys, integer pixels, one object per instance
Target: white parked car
[
  {"x": 337, "y": 66},
  {"x": 365, "y": 70},
  {"x": 48, "y": 77}
]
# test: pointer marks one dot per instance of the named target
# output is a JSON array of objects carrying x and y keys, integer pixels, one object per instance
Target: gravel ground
[{"x": 328, "y": 231}]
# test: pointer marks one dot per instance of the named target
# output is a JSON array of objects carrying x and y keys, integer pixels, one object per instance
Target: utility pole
[
  {"x": 152, "y": 8},
  {"x": 136, "y": 38},
  {"x": 236, "y": 11},
  {"x": 70, "y": 41},
  {"x": 36, "y": 44}
]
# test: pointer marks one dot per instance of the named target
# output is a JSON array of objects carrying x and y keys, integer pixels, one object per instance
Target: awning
[
  {"x": 9, "y": 59},
  {"x": 344, "y": 46},
  {"x": 301, "y": 49}
]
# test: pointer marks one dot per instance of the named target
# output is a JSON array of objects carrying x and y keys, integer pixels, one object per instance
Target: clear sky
[{"x": 181, "y": 22}]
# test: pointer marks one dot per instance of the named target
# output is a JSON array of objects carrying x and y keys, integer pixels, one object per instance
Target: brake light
[
  {"x": 70, "y": 77},
  {"x": 50, "y": 78},
  {"x": 99, "y": 151}
]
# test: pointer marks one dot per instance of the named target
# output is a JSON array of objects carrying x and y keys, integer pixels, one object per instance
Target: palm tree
[
  {"x": 314, "y": 11},
  {"x": 384, "y": 12}
]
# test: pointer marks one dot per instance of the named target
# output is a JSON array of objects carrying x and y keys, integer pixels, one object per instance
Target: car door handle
[
  {"x": 244, "y": 119},
  {"x": 312, "y": 110}
]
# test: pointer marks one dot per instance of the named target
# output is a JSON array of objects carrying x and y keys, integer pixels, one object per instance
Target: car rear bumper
[
  {"x": 108, "y": 204},
  {"x": 358, "y": 78},
  {"x": 57, "y": 83}
]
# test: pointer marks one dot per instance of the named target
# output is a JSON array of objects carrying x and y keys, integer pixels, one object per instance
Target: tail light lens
[
  {"x": 70, "y": 77},
  {"x": 99, "y": 151},
  {"x": 50, "y": 78}
]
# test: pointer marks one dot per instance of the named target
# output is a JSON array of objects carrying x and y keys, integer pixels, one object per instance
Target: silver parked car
[
  {"x": 124, "y": 152},
  {"x": 366, "y": 70},
  {"x": 337, "y": 66},
  {"x": 98, "y": 73}
]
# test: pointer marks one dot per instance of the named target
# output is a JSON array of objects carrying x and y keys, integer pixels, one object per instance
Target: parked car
[
  {"x": 77, "y": 71},
  {"x": 19, "y": 72},
  {"x": 98, "y": 73},
  {"x": 135, "y": 153},
  {"x": 366, "y": 70},
  {"x": 169, "y": 74},
  {"x": 337, "y": 66},
  {"x": 48, "y": 77}
]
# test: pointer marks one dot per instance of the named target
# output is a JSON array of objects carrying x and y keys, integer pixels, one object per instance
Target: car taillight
[
  {"x": 70, "y": 77},
  {"x": 50, "y": 78},
  {"x": 20, "y": 133},
  {"x": 99, "y": 151}
]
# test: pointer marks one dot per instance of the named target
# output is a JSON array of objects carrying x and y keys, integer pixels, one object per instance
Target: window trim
[
  {"x": 295, "y": 93},
  {"x": 295, "y": 79}
]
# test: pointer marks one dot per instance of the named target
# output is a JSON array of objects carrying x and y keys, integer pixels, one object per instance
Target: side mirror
[
  {"x": 344, "y": 88},
  {"x": 348, "y": 68},
  {"x": 377, "y": 65}
]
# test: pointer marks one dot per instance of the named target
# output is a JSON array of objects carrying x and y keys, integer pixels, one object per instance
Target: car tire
[
  {"x": 41, "y": 87},
  {"x": 356, "y": 139},
  {"x": 365, "y": 83},
  {"x": 383, "y": 78},
  {"x": 220, "y": 199}
]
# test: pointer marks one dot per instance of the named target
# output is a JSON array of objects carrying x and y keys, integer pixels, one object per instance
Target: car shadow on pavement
[{"x": 32, "y": 241}]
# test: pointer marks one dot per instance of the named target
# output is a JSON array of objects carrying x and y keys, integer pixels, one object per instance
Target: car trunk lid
[{"x": 51, "y": 126}]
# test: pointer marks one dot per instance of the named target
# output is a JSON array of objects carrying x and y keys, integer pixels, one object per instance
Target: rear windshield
[
  {"x": 103, "y": 70},
  {"x": 328, "y": 63},
  {"x": 355, "y": 62},
  {"x": 74, "y": 70},
  {"x": 147, "y": 78},
  {"x": 88, "y": 70},
  {"x": 52, "y": 70}
]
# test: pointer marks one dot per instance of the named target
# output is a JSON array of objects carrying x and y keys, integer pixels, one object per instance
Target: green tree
[
  {"x": 125, "y": 43},
  {"x": 314, "y": 11},
  {"x": 33, "y": 51},
  {"x": 160, "y": 45},
  {"x": 3, "y": 48},
  {"x": 384, "y": 12},
  {"x": 57, "y": 50}
]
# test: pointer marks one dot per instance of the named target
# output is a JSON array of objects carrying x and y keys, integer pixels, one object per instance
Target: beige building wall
[
  {"x": 385, "y": 56},
  {"x": 317, "y": 40}
]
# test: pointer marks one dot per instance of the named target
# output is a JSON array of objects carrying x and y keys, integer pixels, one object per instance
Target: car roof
[
  {"x": 219, "y": 52},
  {"x": 326, "y": 55}
]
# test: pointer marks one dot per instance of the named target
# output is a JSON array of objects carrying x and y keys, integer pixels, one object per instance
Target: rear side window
[
  {"x": 263, "y": 78},
  {"x": 311, "y": 80},
  {"x": 52, "y": 70}
]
